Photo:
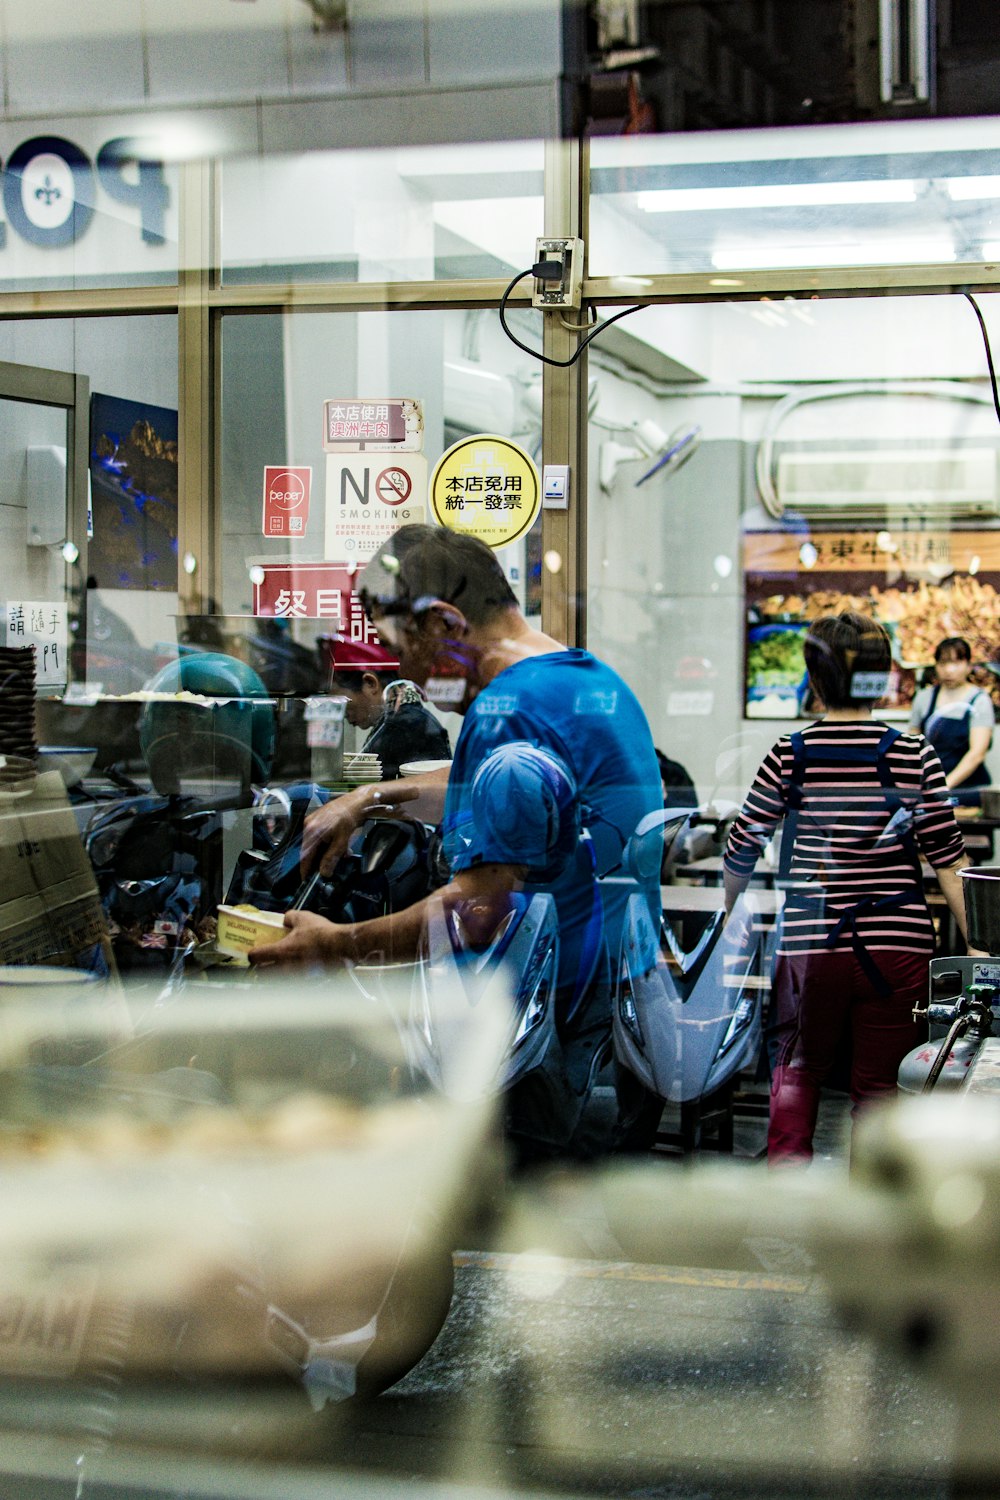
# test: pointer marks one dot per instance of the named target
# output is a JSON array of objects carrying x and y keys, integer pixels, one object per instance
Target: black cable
[
  {"x": 989, "y": 355},
  {"x": 561, "y": 364}
]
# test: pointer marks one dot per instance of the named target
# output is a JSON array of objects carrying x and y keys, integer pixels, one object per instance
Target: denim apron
[{"x": 950, "y": 738}]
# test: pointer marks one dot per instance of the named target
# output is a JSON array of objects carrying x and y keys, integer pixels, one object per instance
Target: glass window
[
  {"x": 278, "y": 371},
  {"x": 436, "y": 213},
  {"x": 90, "y": 536},
  {"x": 881, "y": 194},
  {"x": 95, "y": 211},
  {"x": 847, "y": 454}
]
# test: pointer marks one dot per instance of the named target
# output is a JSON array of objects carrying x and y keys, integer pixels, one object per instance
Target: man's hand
[
  {"x": 327, "y": 831},
  {"x": 311, "y": 940}
]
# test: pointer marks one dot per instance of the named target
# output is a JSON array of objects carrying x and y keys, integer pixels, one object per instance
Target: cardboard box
[{"x": 50, "y": 910}]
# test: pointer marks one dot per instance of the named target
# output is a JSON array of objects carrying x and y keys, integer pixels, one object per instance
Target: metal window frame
[{"x": 201, "y": 300}]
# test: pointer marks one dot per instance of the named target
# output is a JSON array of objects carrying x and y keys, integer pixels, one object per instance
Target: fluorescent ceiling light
[
  {"x": 783, "y": 257},
  {"x": 776, "y": 195},
  {"x": 971, "y": 187},
  {"x": 792, "y": 143},
  {"x": 479, "y": 158}
]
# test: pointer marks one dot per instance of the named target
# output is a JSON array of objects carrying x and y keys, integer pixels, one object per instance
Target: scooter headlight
[
  {"x": 741, "y": 1019},
  {"x": 531, "y": 1015},
  {"x": 540, "y": 976},
  {"x": 627, "y": 1010}
]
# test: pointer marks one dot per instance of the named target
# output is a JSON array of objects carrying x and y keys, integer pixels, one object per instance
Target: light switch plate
[{"x": 555, "y": 487}]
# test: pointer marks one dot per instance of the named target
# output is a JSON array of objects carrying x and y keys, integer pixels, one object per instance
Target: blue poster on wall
[{"x": 133, "y": 478}]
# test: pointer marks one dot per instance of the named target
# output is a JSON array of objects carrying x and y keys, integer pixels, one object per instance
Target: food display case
[
  {"x": 240, "y": 1197},
  {"x": 922, "y": 586}
]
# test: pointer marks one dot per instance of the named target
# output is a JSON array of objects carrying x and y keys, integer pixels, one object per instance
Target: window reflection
[{"x": 882, "y": 194}]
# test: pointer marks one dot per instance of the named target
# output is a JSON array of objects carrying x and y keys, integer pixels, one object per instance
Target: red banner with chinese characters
[{"x": 317, "y": 591}]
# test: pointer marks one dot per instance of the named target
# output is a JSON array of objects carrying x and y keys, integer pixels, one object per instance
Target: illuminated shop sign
[{"x": 51, "y": 189}]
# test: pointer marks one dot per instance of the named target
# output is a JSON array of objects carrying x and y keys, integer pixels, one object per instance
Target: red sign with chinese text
[
  {"x": 286, "y": 500},
  {"x": 317, "y": 591},
  {"x": 389, "y": 424}
]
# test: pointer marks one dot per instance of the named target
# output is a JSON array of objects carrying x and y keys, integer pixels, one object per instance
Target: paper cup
[{"x": 239, "y": 931}]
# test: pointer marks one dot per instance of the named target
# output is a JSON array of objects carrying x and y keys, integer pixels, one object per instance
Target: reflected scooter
[
  {"x": 962, "y": 1010},
  {"x": 686, "y": 1022},
  {"x": 389, "y": 865},
  {"x": 158, "y": 862},
  {"x": 519, "y": 962},
  {"x": 207, "y": 736}
]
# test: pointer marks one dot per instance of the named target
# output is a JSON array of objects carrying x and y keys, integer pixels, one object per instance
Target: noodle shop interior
[{"x": 400, "y": 1033}]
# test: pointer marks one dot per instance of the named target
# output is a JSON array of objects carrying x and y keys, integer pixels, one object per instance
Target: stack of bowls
[
  {"x": 362, "y": 768},
  {"x": 17, "y": 702}
]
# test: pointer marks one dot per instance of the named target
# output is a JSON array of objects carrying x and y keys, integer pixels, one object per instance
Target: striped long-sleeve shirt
[{"x": 848, "y": 845}]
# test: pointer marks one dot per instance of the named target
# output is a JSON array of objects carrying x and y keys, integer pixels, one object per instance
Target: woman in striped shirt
[{"x": 860, "y": 803}]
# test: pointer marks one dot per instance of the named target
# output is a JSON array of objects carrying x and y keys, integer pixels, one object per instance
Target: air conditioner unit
[{"x": 855, "y": 485}]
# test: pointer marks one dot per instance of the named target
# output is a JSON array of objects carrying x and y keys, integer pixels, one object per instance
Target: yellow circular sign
[{"x": 488, "y": 487}]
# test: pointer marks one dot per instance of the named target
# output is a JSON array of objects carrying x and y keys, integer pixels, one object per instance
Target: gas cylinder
[{"x": 916, "y": 1065}]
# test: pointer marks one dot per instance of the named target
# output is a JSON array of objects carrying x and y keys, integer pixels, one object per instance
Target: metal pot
[{"x": 982, "y": 906}]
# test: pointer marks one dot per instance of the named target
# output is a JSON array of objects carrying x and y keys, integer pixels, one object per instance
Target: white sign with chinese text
[
  {"x": 44, "y": 625},
  {"x": 683, "y": 702},
  {"x": 325, "y": 722},
  {"x": 370, "y": 497}
]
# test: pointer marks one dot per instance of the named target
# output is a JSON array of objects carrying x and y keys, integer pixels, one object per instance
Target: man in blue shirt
[{"x": 553, "y": 770}]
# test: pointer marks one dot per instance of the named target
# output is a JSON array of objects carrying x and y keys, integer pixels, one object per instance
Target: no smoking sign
[
  {"x": 393, "y": 486},
  {"x": 368, "y": 498}
]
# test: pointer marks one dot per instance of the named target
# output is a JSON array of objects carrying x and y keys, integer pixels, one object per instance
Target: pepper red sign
[
  {"x": 286, "y": 500},
  {"x": 316, "y": 591}
]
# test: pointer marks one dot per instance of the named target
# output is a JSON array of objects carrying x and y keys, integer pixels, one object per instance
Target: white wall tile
[
  {"x": 317, "y": 59},
  {"x": 386, "y": 44},
  {"x": 69, "y": 56},
  {"x": 503, "y": 44}
]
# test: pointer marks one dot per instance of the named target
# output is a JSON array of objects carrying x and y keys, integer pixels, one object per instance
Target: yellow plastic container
[{"x": 241, "y": 929}]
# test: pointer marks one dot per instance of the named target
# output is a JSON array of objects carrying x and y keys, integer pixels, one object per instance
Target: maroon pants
[{"x": 823, "y": 1004}]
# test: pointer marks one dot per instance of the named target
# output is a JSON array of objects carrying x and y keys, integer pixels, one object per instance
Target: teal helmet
[
  {"x": 528, "y": 797},
  {"x": 230, "y": 736}
]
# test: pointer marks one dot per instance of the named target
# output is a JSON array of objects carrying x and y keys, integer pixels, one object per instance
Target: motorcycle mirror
[{"x": 382, "y": 842}]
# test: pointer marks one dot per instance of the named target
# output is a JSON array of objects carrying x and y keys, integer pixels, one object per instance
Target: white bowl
[
  {"x": 42, "y": 976},
  {"x": 71, "y": 761}
]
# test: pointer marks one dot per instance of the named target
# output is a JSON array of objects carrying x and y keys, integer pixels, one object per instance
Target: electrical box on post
[{"x": 558, "y": 273}]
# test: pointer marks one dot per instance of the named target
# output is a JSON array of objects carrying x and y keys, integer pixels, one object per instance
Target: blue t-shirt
[{"x": 575, "y": 707}]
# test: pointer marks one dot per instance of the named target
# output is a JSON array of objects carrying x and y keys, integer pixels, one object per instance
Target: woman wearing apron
[
  {"x": 957, "y": 718},
  {"x": 860, "y": 804}
]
